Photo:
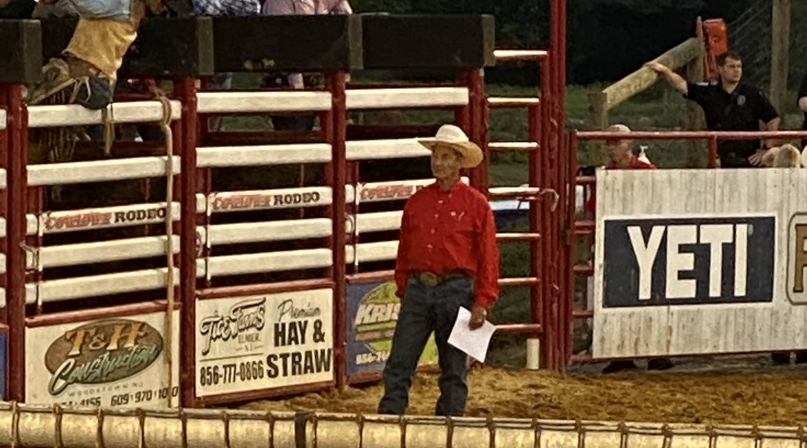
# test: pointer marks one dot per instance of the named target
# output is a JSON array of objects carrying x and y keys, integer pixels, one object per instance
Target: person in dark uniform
[{"x": 729, "y": 105}]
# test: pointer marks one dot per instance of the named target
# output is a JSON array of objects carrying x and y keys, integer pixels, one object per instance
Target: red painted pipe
[
  {"x": 16, "y": 230},
  {"x": 543, "y": 215},
  {"x": 185, "y": 91},
  {"x": 478, "y": 116},
  {"x": 691, "y": 135},
  {"x": 571, "y": 247},
  {"x": 713, "y": 152},
  {"x": 339, "y": 163},
  {"x": 557, "y": 56},
  {"x": 534, "y": 117}
]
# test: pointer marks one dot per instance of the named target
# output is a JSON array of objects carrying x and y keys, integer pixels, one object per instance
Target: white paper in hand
[{"x": 473, "y": 342}]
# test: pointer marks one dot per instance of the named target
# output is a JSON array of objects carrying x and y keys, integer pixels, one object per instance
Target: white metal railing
[
  {"x": 56, "y": 174},
  {"x": 229, "y": 156},
  {"x": 99, "y": 171},
  {"x": 77, "y": 115},
  {"x": 409, "y": 97},
  {"x": 257, "y": 102}
]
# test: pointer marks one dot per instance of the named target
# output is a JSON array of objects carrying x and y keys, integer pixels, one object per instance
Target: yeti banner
[{"x": 690, "y": 261}]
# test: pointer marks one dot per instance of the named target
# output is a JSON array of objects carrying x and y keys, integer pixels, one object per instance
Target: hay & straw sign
[{"x": 263, "y": 342}]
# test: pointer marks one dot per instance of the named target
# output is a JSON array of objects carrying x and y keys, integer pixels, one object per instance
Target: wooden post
[
  {"x": 694, "y": 112},
  {"x": 598, "y": 110},
  {"x": 780, "y": 52},
  {"x": 598, "y": 119}
]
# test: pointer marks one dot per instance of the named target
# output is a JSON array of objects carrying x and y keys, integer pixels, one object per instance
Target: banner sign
[
  {"x": 699, "y": 262},
  {"x": 111, "y": 363},
  {"x": 264, "y": 342},
  {"x": 689, "y": 261},
  {"x": 372, "y": 312}
]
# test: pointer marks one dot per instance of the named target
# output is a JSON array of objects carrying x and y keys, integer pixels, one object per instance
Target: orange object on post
[{"x": 717, "y": 40}]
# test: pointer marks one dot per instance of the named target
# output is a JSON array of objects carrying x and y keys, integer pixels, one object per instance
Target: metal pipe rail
[
  {"x": 712, "y": 136},
  {"x": 539, "y": 214},
  {"x": 40, "y": 427}
]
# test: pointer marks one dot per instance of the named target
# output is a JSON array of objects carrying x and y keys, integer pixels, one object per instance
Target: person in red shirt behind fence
[
  {"x": 447, "y": 259},
  {"x": 620, "y": 153}
]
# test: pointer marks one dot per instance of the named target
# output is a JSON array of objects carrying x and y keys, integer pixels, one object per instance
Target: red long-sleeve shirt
[
  {"x": 442, "y": 231},
  {"x": 635, "y": 164}
]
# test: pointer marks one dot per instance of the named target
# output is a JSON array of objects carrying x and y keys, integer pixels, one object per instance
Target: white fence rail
[{"x": 120, "y": 113}]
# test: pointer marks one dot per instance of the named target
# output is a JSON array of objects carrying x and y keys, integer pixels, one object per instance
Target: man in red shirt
[{"x": 447, "y": 259}]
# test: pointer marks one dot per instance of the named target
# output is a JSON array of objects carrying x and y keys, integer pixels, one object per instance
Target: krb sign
[
  {"x": 372, "y": 312},
  {"x": 689, "y": 261}
]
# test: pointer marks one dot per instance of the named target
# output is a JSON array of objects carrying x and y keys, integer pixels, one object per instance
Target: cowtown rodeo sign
[
  {"x": 112, "y": 362},
  {"x": 264, "y": 342}
]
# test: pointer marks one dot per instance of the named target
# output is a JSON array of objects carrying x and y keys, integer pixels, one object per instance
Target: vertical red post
[
  {"x": 185, "y": 91},
  {"x": 478, "y": 110},
  {"x": 558, "y": 117},
  {"x": 713, "y": 152},
  {"x": 16, "y": 229},
  {"x": 536, "y": 259},
  {"x": 462, "y": 119},
  {"x": 543, "y": 212},
  {"x": 336, "y": 85},
  {"x": 570, "y": 252},
  {"x": 326, "y": 124}
]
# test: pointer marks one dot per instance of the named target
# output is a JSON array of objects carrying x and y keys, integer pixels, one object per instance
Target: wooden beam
[
  {"x": 597, "y": 110},
  {"x": 780, "y": 52},
  {"x": 644, "y": 77},
  {"x": 20, "y": 51}
]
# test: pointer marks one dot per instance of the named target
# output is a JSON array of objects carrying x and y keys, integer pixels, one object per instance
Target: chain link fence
[{"x": 750, "y": 36}]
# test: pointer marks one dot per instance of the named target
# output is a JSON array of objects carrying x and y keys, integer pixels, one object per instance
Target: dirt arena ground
[{"x": 733, "y": 391}]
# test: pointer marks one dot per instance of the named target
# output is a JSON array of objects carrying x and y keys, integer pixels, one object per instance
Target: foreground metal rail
[{"x": 30, "y": 426}]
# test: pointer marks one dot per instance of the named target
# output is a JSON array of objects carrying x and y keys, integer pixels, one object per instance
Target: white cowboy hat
[{"x": 453, "y": 137}]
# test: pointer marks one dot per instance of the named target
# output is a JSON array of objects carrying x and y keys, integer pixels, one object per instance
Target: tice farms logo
[
  {"x": 101, "y": 352},
  {"x": 243, "y": 316}
]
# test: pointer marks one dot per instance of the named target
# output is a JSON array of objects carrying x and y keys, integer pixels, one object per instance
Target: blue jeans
[
  {"x": 95, "y": 9},
  {"x": 426, "y": 309}
]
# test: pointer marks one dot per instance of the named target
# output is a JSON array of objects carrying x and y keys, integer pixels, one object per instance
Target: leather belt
[{"x": 431, "y": 279}]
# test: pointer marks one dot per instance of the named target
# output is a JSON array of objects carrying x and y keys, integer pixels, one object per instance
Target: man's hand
[
  {"x": 657, "y": 67},
  {"x": 478, "y": 315},
  {"x": 756, "y": 158}
]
